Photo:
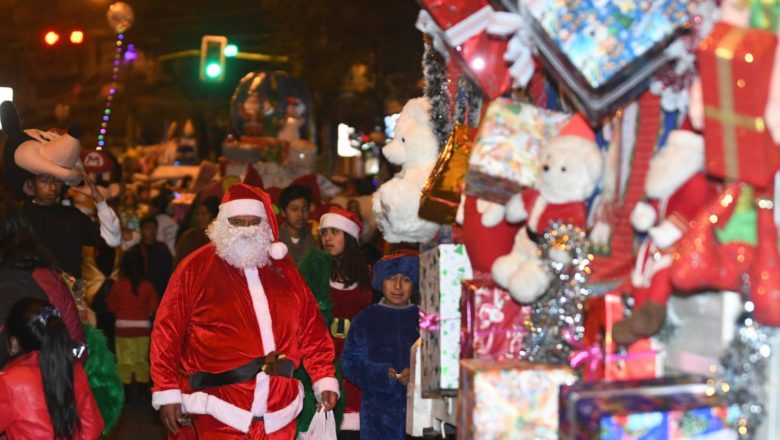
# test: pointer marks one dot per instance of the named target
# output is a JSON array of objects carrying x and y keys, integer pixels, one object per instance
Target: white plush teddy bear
[
  {"x": 415, "y": 148},
  {"x": 571, "y": 168}
]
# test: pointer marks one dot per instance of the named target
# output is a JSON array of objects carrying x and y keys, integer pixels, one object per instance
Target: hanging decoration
[
  {"x": 120, "y": 17},
  {"x": 436, "y": 89},
  {"x": 556, "y": 323}
]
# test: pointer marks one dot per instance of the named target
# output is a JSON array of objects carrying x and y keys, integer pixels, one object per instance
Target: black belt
[
  {"x": 274, "y": 364},
  {"x": 534, "y": 237}
]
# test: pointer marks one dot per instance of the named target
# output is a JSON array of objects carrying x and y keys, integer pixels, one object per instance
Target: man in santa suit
[{"x": 235, "y": 321}]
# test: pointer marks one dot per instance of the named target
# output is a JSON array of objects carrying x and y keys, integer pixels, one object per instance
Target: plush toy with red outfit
[
  {"x": 571, "y": 167},
  {"x": 676, "y": 189}
]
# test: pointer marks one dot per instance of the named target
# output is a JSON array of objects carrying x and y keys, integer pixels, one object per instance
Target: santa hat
[
  {"x": 343, "y": 220},
  {"x": 243, "y": 199},
  {"x": 578, "y": 127},
  {"x": 406, "y": 263}
]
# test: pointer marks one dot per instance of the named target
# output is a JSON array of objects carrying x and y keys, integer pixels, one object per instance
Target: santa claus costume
[
  {"x": 228, "y": 313},
  {"x": 677, "y": 189},
  {"x": 348, "y": 301}
]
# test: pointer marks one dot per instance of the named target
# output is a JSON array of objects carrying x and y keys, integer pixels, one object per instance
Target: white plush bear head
[
  {"x": 571, "y": 164},
  {"x": 414, "y": 141}
]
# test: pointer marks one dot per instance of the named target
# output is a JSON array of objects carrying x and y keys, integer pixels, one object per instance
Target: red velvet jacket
[
  {"x": 214, "y": 317},
  {"x": 133, "y": 311},
  {"x": 23, "y": 412}
]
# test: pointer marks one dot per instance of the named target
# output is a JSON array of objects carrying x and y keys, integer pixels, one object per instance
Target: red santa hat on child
[
  {"x": 243, "y": 199},
  {"x": 343, "y": 220}
]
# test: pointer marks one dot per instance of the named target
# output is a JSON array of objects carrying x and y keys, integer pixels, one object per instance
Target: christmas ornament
[
  {"x": 120, "y": 17},
  {"x": 557, "y": 318},
  {"x": 259, "y": 103}
]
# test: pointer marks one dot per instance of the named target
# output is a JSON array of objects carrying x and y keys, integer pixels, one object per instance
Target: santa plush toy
[
  {"x": 571, "y": 168},
  {"x": 676, "y": 189}
]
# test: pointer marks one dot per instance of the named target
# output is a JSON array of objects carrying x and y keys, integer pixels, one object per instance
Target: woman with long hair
[
  {"x": 43, "y": 354},
  {"x": 350, "y": 291},
  {"x": 25, "y": 270}
]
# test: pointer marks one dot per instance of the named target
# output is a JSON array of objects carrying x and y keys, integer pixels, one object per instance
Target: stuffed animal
[
  {"x": 415, "y": 148},
  {"x": 677, "y": 189},
  {"x": 486, "y": 233},
  {"x": 28, "y": 153},
  {"x": 571, "y": 167}
]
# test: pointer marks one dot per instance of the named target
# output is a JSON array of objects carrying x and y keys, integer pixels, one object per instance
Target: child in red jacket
[
  {"x": 44, "y": 392},
  {"x": 133, "y": 300}
]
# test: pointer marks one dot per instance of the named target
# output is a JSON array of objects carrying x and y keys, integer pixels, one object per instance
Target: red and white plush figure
[
  {"x": 676, "y": 189},
  {"x": 486, "y": 233},
  {"x": 571, "y": 167},
  {"x": 416, "y": 149}
]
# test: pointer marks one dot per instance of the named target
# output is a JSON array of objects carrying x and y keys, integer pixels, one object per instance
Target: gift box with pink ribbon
[
  {"x": 600, "y": 357},
  {"x": 492, "y": 323},
  {"x": 441, "y": 271},
  {"x": 509, "y": 399}
]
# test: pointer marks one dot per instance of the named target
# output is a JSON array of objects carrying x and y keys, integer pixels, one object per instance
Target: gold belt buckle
[{"x": 334, "y": 328}]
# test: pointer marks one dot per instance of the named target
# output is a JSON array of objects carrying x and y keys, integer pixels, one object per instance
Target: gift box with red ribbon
[
  {"x": 736, "y": 68},
  {"x": 600, "y": 357},
  {"x": 441, "y": 271},
  {"x": 492, "y": 323}
]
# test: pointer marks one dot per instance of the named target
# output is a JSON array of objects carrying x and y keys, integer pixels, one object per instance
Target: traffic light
[
  {"x": 231, "y": 50},
  {"x": 212, "y": 58},
  {"x": 51, "y": 38}
]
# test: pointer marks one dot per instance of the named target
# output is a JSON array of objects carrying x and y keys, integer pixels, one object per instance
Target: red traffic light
[
  {"x": 51, "y": 38},
  {"x": 77, "y": 37}
]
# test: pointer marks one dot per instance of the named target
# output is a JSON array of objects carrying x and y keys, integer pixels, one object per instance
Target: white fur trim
[
  {"x": 165, "y": 397},
  {"x": 678, "y": 161},
  {"x": 325, "y": 384},
  {"x": 133, "y": 323},
  {"x": 238, "y": 207},
  {"x": 278, "y": 250},
  {"x": 330, "y": 220},
  {"x": 643, "y": 216},
  {"x": 665, "y": 234},
  {"x": 262, "y": 312},
  {"x": 341, "y": 286},
  {"x": 492, "y": 213},
  {"x": 277, "y": 420},
  {"x": 351, "y": 421},
  {"x": 260, "y": 399},
  {"x": 227, "y": 413}
]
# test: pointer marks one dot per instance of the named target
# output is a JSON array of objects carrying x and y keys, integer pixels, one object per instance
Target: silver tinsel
[
  {"x": 557, "y": 318},
  {"x": 436, "y": 89},
  {"x": 743, "y": 372}
]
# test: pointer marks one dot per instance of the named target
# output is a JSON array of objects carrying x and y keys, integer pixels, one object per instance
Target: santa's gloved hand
[
  {"x": 515, "y": 209},
  {"x": 492, "y": 213}
]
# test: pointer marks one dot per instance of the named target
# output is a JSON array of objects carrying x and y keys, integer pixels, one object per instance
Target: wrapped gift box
[
  {"x": 735, "y": 65},
  {"x": 441, "y": 271},
  {"x": 492, "y": 323},
  {"x": 442, "y": 192},
  {"x": 419, "y": 411},
  {"x": 509, "y": 400},
  {"x": 668, "y": 408},
  {"x": 505, "y": 156},
  {"x": 605, "y": 52},
  {"x": 641, "y": 360}
]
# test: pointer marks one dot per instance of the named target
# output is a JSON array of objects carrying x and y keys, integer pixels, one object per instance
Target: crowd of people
[{"x": 241, "y": 319}]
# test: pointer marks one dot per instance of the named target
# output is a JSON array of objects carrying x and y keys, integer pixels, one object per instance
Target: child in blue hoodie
[{"x": 376, "y": 352}]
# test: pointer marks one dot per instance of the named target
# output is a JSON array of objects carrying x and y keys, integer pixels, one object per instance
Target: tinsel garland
[
  {"x": 557, "y": 318},
  {"x": 743, "y": 372},
  {"x": 468, "y": 102},
  {"x": 436, "y": 89}
]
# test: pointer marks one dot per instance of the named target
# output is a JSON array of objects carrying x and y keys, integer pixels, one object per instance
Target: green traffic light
[
  {"x": 213, "y": 70},
  {"x": 231, "y": 50}
]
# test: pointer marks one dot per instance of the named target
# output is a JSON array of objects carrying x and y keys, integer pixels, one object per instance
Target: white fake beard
[{"x": 241, "y": 246}]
